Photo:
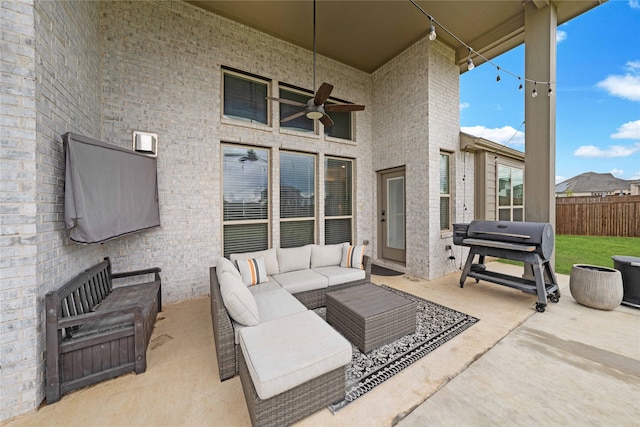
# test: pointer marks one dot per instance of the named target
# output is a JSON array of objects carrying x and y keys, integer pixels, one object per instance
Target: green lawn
[{"x": 595, "y": 250}]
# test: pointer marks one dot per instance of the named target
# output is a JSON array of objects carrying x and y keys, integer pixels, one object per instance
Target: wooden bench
[{"x": 95, "y": 331}]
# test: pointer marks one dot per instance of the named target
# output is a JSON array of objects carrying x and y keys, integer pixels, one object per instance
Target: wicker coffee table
[{"x": 370, "y": 316}]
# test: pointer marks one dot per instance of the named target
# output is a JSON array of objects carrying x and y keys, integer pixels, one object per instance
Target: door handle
[{"x": 382, "y": 220}]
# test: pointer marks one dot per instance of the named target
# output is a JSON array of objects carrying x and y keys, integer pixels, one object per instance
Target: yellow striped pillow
[{"x": 253, "y": 271}]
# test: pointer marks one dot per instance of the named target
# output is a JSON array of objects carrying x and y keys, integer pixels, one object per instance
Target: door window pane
[
  {"x": 395, "y": 213},
  {"x": 445, "y": 191}
]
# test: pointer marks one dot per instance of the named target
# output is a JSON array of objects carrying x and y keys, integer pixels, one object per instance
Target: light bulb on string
[
  {"x": 520, "y": 86},
  {"x": 550, "y": 90},
  {"x": 470, "y": 65},
  {"x": 534, "y": 93},
  {"x": 432, "y": 30},
  {"x": 498, "y": 74}
]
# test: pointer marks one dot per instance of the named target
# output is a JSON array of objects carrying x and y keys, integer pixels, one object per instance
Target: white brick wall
[{"x": 104, "y": 69}]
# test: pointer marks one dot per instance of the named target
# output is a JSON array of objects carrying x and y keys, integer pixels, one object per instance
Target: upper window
[
  {"x": 245, "y": 178},
  {"x": 338, "y": 202},
  {"x": 301, "y": 123},
  {"x": 297, "y": 199},
  {"x": 245, "y": 97},
  {"x": 342, "y": 124},
  {"x": 510, "y": 193},
  {"x": 445, "y": 191}
]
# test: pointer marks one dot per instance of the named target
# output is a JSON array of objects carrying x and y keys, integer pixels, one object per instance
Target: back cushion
[
  {"x": 293, "y": 259},
  {"x": 326, "y": 255},
  {"x": 269, "y": 255},
  {"x": 224, "y": 265}
]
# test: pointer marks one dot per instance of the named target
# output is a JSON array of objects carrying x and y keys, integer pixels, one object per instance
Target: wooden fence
[{"x": 598, "y": 216}]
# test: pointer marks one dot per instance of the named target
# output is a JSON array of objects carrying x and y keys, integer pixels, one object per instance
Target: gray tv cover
[{"x": 109, "y": 191}]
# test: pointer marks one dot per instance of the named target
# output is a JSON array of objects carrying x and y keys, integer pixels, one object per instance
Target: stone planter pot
[{"x": 596, "y": 287}]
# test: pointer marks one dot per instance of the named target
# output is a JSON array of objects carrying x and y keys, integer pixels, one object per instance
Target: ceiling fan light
[{"x": 314, "y": 115}]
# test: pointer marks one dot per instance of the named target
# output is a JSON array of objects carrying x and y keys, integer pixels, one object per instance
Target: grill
[{"x": 529, "y": 242}]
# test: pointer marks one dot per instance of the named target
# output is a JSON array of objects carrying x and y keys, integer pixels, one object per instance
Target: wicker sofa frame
[{"x": 227, "y": 351}]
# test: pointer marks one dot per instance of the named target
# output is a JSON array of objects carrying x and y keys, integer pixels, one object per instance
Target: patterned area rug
[{"x": 436, "y": 324}]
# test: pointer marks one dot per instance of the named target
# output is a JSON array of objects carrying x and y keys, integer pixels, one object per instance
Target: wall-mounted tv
[{"x": 109, "y": 191}]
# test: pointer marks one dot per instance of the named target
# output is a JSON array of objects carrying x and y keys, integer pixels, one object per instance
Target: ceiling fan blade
[
  {"x": 343, "y": 108},
  {"x": 323, "y": 93},
  {"x": 287, "y": 101},
  {"x": 293, "y": 116},
  {"x": 326, "y": 121}
]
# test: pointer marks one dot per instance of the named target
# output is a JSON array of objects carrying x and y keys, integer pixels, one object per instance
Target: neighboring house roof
[{"x": 591, "y": 182}]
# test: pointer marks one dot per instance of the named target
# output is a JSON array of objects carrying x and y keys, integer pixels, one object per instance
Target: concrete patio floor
[{"x": 571, "y": 365}]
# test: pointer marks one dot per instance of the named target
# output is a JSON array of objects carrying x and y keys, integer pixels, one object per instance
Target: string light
[
  {"x": 470, "y": 64},
  {"x": 432, "y": 30}
]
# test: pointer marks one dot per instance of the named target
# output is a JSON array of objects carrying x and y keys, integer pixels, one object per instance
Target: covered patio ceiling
[{"x": 367, "y": 34}]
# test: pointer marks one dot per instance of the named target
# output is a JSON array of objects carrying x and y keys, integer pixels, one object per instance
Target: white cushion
[
  {"x": 269, "y": 255},
  {"x": 253, "y": 271},
  {"x": 352, "y": 257},
  {"x": 272, "y": 305},
  {"x": 339, "y": 275},
  {"x": 239, "y": 302},
  {"x": 289, "y": 351},
  {"x": 223, "y": 265},
  {"x": 326, "y": 255},
  {"x": 301, "y": 280},
  {"x": 292, "y": 259}
]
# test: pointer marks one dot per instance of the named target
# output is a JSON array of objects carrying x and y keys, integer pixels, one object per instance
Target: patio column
[{"x": 540, "y": 112}]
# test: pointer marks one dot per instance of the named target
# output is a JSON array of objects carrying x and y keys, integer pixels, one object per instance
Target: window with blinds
[
  {"x": 510, "y": 193},
  {"x": 338, "y": 204},
  {"x": 244, "y": 97},
  {"x": 301, "y": 123},
  {"x": 297, "y": 199},
  {"x": 245, "y": 180},
  {"x": 342, "y": 124},
  {"x": 445, "y": 191}
]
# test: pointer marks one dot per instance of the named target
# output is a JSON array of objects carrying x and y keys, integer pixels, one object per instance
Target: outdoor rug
[{"x": 436, "y": 324}]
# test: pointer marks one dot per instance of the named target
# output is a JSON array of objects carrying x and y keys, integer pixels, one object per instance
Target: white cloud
[
  {"x": 505, "y": 135},
  {"x": 630, "y": 130},
  {"x": 634, "y": 4},
  {"x": 591, "y": 151},
  {"x": 616, "y": 172},
  {"x": 627, "y": 86},
  {"x": 560, "y": 178},
  {"x": 464, "y": 105},
  {"x": 635, "y": 175},
  {"x": 560, "y": 36}
]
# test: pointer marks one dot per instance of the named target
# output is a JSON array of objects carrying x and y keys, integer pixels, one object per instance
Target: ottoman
[{"x": 291, "y": 367}]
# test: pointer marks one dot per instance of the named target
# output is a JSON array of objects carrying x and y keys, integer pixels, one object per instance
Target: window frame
[
  {"x": 445, "y": 196},
  {"x": 351, "y": 215},
  {"x": 313, "y": 218},
  {"x": 234, "y": 222},
  {"x": 511, "y": 206},
  {"x": 250, "y": 77}
]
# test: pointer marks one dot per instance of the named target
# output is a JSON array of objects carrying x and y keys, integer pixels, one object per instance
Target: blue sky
[{"x": 597, "y": 94}]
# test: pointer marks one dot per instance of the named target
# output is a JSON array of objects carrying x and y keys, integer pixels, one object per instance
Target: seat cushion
[
  {"x": 272, "y": 305},
  {"x": 339, "y": 275},
  {"x": 301, "y": 280},
  {"x": 286, "y": 352}
]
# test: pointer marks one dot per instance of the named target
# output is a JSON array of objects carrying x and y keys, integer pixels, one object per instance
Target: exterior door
[{"x": 391, "y": 215}]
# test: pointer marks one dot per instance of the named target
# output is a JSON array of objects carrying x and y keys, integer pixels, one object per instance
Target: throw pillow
[
  {"x": 269, "y": 255},
  {"x": 253, "y": 271},
  {"x": 238, "y": 300},
  {"x": 352, "y": 257}
]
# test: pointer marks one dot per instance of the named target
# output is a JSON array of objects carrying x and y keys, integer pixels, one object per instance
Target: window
[
  {"x": 510, "y": 193},
  {"x": 297, "y": 199},
  {"x": 445, "y": 191},
  {"x": 245, "y": 97},
  {"x": 301, "y": 123},
  {"x": 245, "y": 179},
  {"x": 341, "y": 124},
  {"x": 338, "y": 203}
]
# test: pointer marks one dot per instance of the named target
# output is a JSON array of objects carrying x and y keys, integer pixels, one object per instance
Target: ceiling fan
[{"x": 315, "y": 107}]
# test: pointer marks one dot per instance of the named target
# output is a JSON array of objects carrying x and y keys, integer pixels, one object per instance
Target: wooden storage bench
[{"x": 95, "y": 331}]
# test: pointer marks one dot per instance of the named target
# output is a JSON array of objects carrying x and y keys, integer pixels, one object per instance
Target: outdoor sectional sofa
[{"x": 291, "y": 363}]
